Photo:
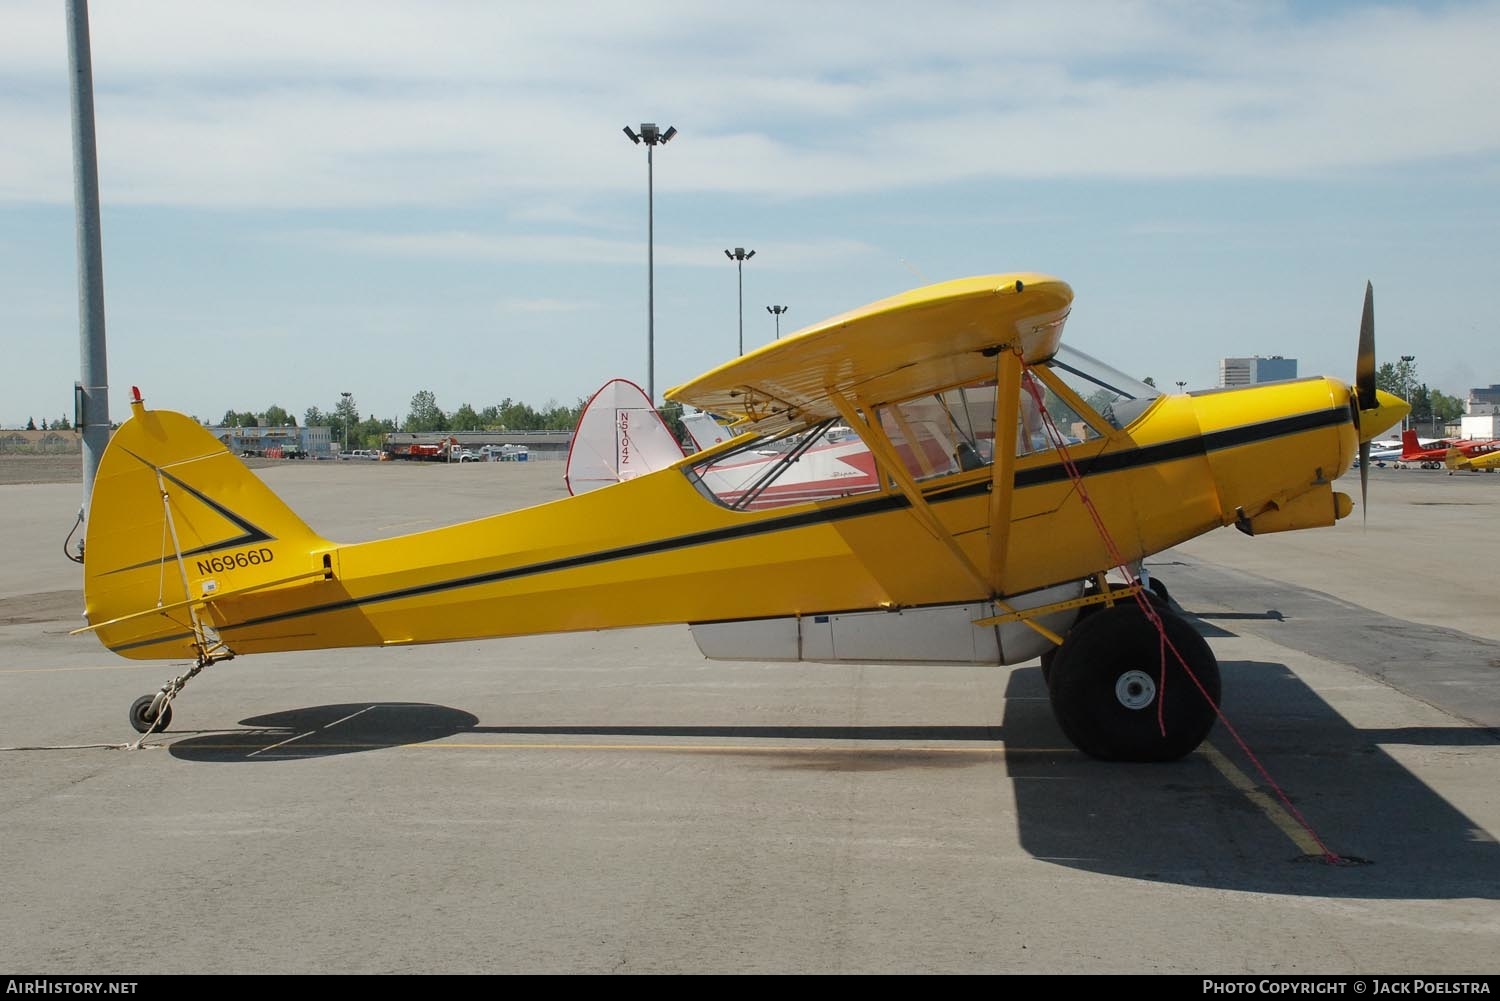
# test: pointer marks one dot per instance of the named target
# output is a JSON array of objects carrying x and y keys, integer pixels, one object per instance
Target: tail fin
[
  {"x": 620, "y": 435},
  {"x": 175, "y": 522},
  {"x": 706, "y": 430},
  {"x": 1410, "y": 447}
]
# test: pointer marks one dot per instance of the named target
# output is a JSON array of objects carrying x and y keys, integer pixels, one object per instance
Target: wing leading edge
[{"x": 924, "y": 340}]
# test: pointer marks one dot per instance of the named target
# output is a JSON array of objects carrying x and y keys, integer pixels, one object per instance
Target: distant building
[
  {"x": 1249, "y": 371},
  {"x": 1482, "y": 414},
  {"x": 51, "y": 442},
  {"x": 290, "y": 442}
]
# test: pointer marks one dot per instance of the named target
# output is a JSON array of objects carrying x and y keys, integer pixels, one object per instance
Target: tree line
[
  {"x": 61, "y": 424},
  {"x": 423, "y": 416},
  {"x": 1427, "y": 405}
]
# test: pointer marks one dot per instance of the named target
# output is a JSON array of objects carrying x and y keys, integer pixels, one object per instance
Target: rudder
[{"x": 175, "y": 520}]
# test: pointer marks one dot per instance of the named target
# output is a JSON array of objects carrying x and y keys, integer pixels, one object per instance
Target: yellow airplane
[
  {"x": 1004, "y": 476},
  {"x": 1485, "y": 457}
]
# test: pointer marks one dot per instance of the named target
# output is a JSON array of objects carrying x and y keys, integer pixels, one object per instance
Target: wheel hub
[{"x": 1135, "y": 689}]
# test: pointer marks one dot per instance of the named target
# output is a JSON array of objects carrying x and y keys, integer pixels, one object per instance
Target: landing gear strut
[{"x": 153, "y": 713}]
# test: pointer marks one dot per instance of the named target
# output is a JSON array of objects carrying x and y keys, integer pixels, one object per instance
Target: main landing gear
[{"x": 1113, "y": 697}]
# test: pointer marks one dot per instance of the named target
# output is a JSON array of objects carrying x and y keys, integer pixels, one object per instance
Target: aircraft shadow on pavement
[
  {"x": 1184, "y": 823},
  {"x": 320, "y": 731},
  {"x": 1187, "y": 823}
]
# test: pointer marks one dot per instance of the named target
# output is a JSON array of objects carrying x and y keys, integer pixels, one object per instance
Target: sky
[{"x": 305, "y": 198}]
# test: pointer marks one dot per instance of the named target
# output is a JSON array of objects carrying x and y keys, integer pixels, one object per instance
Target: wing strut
[
  {"x": 1003, "y": 467},
  {"x": 874, "y": 436}
]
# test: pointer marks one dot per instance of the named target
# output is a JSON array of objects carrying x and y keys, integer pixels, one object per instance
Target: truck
[{"x": 437, "y": 451}]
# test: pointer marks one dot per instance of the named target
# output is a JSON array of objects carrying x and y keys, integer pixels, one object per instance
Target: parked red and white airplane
[
  {"x": 620, "y": 436},
  {"x": 1430, "y": 453}
]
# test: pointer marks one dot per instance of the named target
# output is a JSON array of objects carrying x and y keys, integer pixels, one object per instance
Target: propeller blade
[
  {"x": 1364, "y": 483},
  {"x": 1364, "y": 369}
]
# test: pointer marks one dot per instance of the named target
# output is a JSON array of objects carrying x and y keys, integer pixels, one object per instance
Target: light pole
[
  {"x": 651, "y": 136},
  {"x": 1181, "y": 383},
  {"x": 346, "y": 397},
  {"x": 740, "y": 256},
  {"x": 778, "y": 310},
  {"x": 1406, "y": 361}
]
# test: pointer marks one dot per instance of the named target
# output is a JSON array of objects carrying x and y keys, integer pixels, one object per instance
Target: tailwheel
[
  {"x": 1106, "y": 686},
  {"x": 144, "y": 715}
]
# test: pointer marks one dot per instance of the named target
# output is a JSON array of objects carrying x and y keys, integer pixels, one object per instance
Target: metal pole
[
  {"x": 92, "y": 393},
  {"x": 650, "y": 278},
  {"x": 740, "y": 255},
  {"x": 777, "y": 311},
  {"x": 1406, "y": 386},
  {"x": 650, "y": 135}
]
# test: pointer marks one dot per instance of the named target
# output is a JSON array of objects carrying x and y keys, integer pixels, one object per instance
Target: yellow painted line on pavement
[{"x": 1273, "y": 810}]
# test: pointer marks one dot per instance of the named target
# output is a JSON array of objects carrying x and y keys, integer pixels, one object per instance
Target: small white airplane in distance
[{"x": 1389, "y": 449}]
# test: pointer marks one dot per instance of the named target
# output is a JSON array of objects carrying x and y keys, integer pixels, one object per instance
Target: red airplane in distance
[{"x": 1433, "y": 454}]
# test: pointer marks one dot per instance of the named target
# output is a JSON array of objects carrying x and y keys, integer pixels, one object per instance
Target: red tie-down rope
[{"x": 1033, "y": 387}]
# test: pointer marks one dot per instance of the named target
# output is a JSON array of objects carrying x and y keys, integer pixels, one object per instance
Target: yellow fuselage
[{"x": 657, "y": 549}]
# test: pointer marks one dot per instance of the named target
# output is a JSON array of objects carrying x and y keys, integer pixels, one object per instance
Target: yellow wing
[{"x": 924, "y": 340}]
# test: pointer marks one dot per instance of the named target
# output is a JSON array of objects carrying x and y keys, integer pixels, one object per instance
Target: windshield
[{"x": 1117, "y": 397}]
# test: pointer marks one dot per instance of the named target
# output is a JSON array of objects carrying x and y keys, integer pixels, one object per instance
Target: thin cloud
[
  {"x": 577, "y": 250},
  {"x": 544, "y": 306},
  {"x": 301, "y": 105}
]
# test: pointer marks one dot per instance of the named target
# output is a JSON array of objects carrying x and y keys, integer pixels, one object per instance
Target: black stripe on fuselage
[{"x": 1110, "y": 463}]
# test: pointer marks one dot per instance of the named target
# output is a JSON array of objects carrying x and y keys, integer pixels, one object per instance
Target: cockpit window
[
  {"x": 821, "y": 462},
  {"x": 945, "y": 432}
]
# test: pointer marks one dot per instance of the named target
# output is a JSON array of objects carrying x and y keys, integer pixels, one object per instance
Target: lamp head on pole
[{"x": 650, "y": 134}]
